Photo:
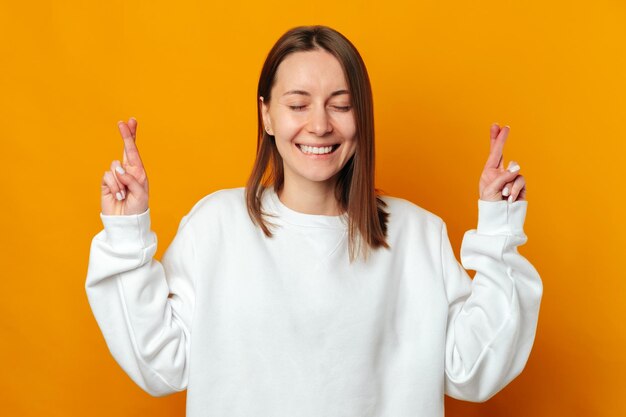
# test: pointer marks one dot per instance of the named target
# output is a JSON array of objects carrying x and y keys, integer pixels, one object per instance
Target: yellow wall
[{"x": 442, "y": 72}]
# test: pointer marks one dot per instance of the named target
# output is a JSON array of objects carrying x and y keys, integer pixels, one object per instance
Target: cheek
[
  {"x": 349, "y": 133},
  {"x": 282, "y": 146},
  {"x": 352, "y": 149},
  {"x": 286, "y": 125},
  {"x": 352, "y": 142},
  {"x": 348, "y": 127}
]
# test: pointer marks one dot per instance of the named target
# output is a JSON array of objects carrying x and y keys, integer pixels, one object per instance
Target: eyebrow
[{"x": 306, "y": 93}]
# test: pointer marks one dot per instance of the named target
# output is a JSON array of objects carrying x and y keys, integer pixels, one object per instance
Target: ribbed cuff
[
  {"x": 501, "y": 217},
  {"x": 128, "y": 230}
]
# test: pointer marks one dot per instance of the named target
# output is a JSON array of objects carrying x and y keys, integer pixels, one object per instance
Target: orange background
[{"x": 441, "y": 72}]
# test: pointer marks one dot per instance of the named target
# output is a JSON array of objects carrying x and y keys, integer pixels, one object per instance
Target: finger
[
  {"x": 109, "y": 185},
  {"x": 497, "y": 146},
  {"x": 124, "y": 156},
  {"x": 131, "y": 184},
  {"x": 132, "y": 125},
  {"x": 513, "y": 166},
  {"x": 506, "y": 191},
  {"x": 497, "y": 185},
  {"x": 518, "y": 185},
  {"x": 493, "y": 134},
  {"x": 131, "y": 153},
  {"x": 522, "y": 194},
  {"x": 495, "y": 129},
  {"x": 121, "y": 187}
]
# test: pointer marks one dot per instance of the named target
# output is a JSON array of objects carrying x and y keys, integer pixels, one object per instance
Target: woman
[{"x": 307, "y": 293}]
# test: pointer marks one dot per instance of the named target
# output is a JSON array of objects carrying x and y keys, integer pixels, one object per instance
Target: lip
[{"x": 321, "y": 145}]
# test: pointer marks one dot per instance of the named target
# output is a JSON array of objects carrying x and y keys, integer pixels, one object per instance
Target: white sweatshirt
[{"x": 286, "y": 327}]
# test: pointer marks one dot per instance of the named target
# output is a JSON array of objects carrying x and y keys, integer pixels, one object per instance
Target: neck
[{"x": 310, "y": 198}]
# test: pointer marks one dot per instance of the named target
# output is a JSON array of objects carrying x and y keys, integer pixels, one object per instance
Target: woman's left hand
[{"x": 496, "y": 183}]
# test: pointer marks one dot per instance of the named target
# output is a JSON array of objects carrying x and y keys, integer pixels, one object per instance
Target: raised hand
[
  {"x": 125, "y": 185},
  {"x": 496, "y": 183}
]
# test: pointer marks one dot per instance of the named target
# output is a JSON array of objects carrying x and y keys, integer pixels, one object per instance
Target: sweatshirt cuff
[
  {"x": 501, "y": 217},
  {"x": 128, "y": 230}
]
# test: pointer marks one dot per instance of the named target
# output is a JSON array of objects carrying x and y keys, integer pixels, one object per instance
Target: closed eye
[{"x": 340, "y": 108}]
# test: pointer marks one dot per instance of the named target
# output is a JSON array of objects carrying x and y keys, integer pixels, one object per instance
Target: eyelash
[{"x": 341, "y": 108}]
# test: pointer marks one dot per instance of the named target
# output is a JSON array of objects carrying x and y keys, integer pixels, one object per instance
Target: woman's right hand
[{"x": 132, "y": 184}]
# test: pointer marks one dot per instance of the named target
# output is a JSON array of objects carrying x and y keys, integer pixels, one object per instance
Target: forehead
[{"x": 311, "y": 71}]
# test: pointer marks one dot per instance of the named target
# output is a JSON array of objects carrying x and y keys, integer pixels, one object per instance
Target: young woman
[{"x": 307, "y": 293}]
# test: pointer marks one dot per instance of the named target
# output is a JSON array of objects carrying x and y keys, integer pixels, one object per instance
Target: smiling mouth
[{"x": 318, "y": 150}]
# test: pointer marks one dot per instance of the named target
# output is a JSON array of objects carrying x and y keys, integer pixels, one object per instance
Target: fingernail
[
  {"x": 506, "y": 191},
  {"x": 513, "y": 168},
  {"x": 510, "y": 199},
  {"x": 123, "y": 194},
  {"x": 120, "y": 170},
  {"x": 132, "y": 118},
  {"x": 118, "y": 195}
]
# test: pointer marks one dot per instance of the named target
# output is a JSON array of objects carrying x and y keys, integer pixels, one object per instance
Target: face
[{"x": 311, "y": 118}]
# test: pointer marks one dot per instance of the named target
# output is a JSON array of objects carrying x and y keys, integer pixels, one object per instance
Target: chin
[{"x": 318, "y": 177}]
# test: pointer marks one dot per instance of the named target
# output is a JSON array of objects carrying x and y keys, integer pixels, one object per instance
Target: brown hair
[{"x": 355, "y": 191}]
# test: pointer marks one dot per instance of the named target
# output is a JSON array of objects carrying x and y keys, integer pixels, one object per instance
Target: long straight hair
[{"x": 355, "y": 191}]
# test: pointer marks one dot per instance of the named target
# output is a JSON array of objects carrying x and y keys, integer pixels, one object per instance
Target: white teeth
[{"x": 316, "y": 150}]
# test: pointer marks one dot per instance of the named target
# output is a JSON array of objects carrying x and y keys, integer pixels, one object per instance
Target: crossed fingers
[{"x": 507, "y": 183}]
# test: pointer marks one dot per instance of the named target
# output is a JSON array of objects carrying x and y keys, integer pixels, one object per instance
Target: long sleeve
[
  {"x": 492, "y": 319},
  {"x": 144, "y": 307}
]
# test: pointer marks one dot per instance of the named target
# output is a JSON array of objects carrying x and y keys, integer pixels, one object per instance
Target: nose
[{"x": 319, "y": 122}]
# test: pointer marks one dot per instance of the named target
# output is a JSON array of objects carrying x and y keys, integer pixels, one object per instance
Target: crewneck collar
[{"x": 290, "y": 216}]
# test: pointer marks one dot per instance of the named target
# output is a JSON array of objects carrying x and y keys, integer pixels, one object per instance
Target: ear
[{"x": 266, "y": 117}]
